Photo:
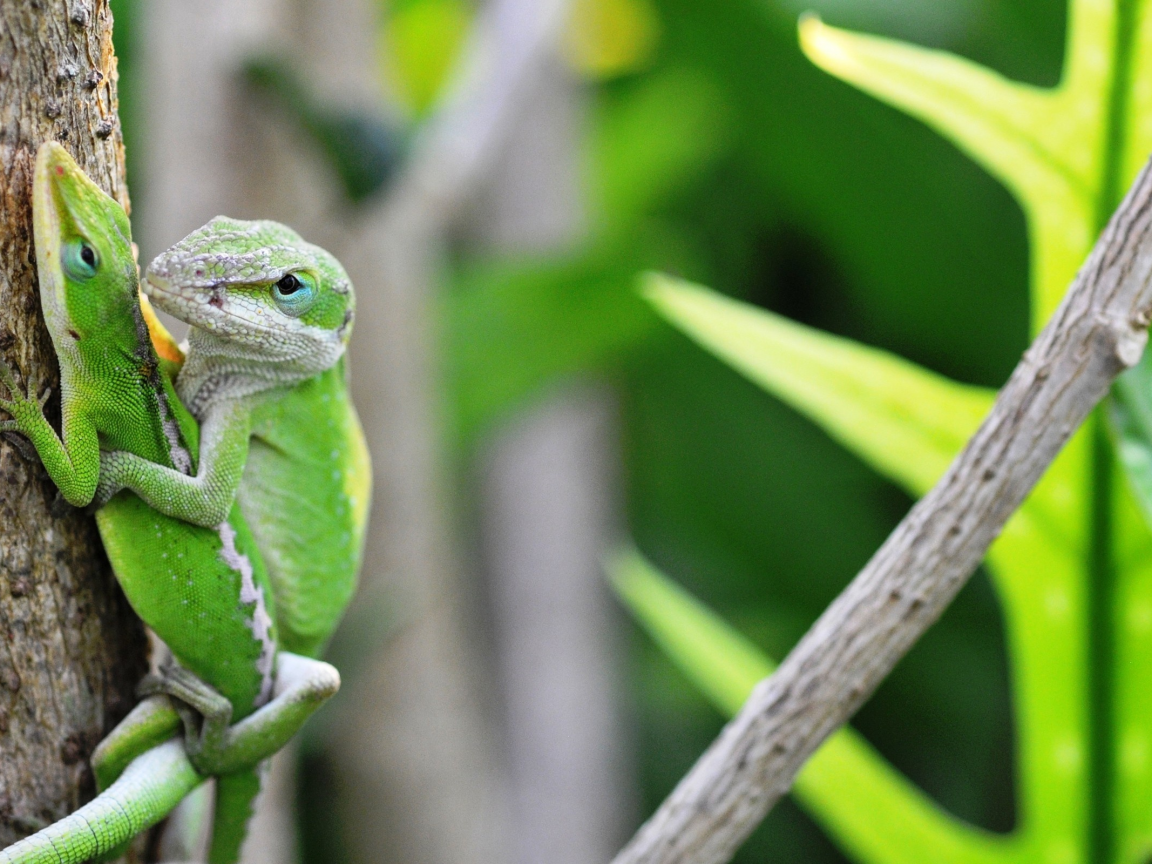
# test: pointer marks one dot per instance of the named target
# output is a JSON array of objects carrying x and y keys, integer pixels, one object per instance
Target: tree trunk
[{"x": 71, "y": 650}]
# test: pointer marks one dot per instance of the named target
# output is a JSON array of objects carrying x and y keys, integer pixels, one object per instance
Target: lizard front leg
[
  {"x": 204, "y": 499},
  {"x": 72, "y": 463}
]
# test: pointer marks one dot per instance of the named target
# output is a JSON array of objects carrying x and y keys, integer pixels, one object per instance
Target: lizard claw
[
  {"x": 23, "y": 403},
  {"x": 19, "y": 441},
  {"x": 34, "y": 381},
  {"x": 206, "y": 713},
  {"x": 8, "y": 378}
]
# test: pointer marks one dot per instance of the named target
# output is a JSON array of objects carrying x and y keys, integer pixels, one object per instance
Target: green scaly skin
[
  {"x": 203, "y": 590},
  {"x": 147, "y": 790},
  {"x": 271, "y": 316}
]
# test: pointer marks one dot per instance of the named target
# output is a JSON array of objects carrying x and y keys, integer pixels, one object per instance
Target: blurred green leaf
[
  {"x": 649, "y": 145},
  {"x": 721, "y": 662},
  {"x": 510, "y": 330},
  {"x": 513, "y": 326},
  {"x": 361, "y": 149},
  {"x": 419, "y": 42},
  {"x": 906, "y": 422},
  {"x": 1131, "y": 410},
  {"x": 607, "y": 38}
]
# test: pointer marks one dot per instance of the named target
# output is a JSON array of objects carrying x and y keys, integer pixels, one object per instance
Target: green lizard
[
  {"x": 203, "y": 590},
  {"x": 265, "y": 376}
]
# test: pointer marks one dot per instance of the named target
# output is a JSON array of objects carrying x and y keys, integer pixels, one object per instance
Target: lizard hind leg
[
  {"x": 206, "y": 714},
  {"x": 150, "y": 723}
]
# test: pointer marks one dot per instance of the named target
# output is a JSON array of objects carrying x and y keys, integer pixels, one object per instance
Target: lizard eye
[
  {"x": 79, "y": 259},
  {"x": 294, "y": 294}
]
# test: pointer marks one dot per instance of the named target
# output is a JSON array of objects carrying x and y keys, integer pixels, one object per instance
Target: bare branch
[
  {"x": 510, "y": 42},
  {"x": 1099, "y": 331}
]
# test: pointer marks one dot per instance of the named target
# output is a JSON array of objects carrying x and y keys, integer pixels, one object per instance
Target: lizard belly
[
  {"x": 203, "y": 590},
  {"x": 309, "y": 541},
  {"x": 305, "y": 493}
]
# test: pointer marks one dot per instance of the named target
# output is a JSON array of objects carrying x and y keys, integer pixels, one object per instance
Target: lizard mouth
[
  {"x": 182, "y": 302},
  {"x": 208, "y": 308}
]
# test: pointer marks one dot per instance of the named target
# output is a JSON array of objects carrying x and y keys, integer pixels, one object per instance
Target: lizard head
[
  {"x": 87, "y": 272},
  {"x": 256, "y": 293}
]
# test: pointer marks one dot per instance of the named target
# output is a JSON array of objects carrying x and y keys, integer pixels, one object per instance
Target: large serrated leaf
[
  {"x": 1045, "y": 145},
  {"x": 904, "y": 421}
]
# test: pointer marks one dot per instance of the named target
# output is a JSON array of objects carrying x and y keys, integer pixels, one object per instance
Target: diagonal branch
[{"x": 1098, "y": 331}]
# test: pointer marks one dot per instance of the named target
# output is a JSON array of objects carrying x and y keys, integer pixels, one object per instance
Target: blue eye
[
  {"x": 79, "y": 259},
  {"x": 294, "y": 294}
]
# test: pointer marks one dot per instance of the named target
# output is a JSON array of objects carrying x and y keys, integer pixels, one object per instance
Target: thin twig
[
  {"x": 1099, "y": 331},
  {"x": 510, "y": 41}
]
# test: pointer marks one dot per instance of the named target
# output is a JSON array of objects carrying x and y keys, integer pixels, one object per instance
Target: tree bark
[{"x": 71, "y": 650}]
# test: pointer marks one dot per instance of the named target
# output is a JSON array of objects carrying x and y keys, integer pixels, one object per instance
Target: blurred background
[{"x": 494, "y": 176}]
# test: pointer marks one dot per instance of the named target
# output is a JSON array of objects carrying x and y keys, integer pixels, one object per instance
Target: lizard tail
[
  {"x": 148, "y": 789},
  {"x": 235, "y": 803}
]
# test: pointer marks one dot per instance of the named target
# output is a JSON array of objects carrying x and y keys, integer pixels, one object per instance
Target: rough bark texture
[
  {"x": 1099, "y": 330},
  {"x": 71, "y": 650}
]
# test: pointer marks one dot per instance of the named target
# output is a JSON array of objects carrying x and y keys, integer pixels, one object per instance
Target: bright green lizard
[
  {"x": 203, "y": 590},
  {"x": 271, "y": 316},
  {"x": 265, "y": 376}
]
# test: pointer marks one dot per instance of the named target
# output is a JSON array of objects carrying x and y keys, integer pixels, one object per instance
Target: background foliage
[{"x": 717, "y": 152}]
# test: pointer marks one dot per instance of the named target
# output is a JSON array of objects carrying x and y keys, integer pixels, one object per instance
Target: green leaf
[
  {"x": 904, "y": 421},
  {"x": 872, "y": 810},
  {"x": 512, "y": 329},
  {"x": 609, "y": 38},
  {"x": 909, "y": 424},
  {"x": 419, "y": 41},
  {"x": 1046, "y": 146},
  {"x": 1131, "y": 411},
  {"x": 514, "y": 326}
]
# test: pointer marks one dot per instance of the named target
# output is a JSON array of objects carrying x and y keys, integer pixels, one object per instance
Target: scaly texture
[
  {"x": 271, "y": 316},
  {"x": 143, "y": 795},
  {"x": 203, "y": 589}
]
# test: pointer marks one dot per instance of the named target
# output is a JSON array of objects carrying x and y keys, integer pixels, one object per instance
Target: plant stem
[
  {"x": 1101, "y": 649},
  {"x": 1112, "y": 183},
  {"x": 1101, "y": 569}
]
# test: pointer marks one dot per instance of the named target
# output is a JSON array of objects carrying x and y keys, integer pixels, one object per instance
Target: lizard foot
[
  {"x": 205, "y": 713},
  {"x": 108, "y": 485},
  {"x": 22, "y": 402}
]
